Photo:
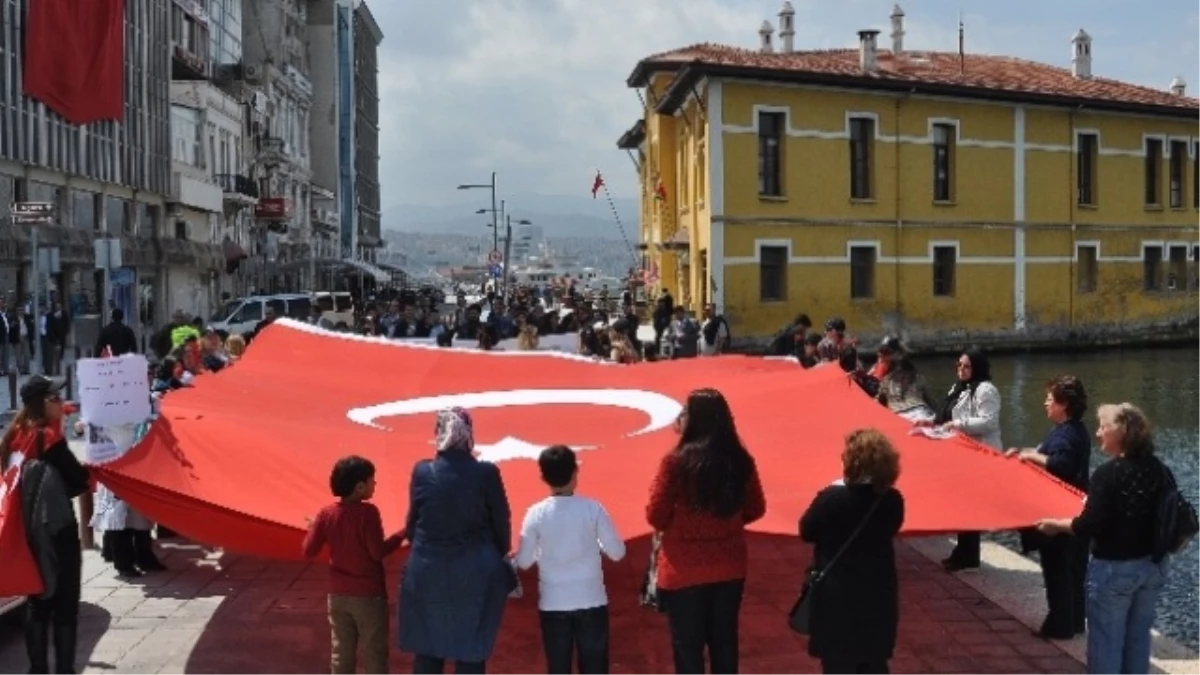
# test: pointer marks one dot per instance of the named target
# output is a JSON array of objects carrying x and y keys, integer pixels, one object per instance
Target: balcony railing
[{"x": 232, "y": 183}]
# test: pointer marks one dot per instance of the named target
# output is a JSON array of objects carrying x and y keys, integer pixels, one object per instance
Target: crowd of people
[{"x": 461, "y": 569}]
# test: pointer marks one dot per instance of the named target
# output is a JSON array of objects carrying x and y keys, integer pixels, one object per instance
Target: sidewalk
[{"x": 215, "y": 613}]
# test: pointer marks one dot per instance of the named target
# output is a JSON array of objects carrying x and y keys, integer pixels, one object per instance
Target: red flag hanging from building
[
  {"x": 660, "y": 192},
  {"x": 597, "y": 184},
  {"x": 75, "y": 58},
  {"x": 240, "y": 459}
]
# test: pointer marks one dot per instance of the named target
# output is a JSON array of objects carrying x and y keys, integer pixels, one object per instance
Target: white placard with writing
[{"x": 114, "y": 391}]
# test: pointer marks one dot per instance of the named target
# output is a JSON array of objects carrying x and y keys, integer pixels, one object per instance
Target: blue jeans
[{"x": 1121, "y": 599}]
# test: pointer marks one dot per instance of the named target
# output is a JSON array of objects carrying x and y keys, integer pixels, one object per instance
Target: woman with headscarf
[
  {"x": 457, "y": 578},
  {"x": 51, "y": 477},
  {"x": 972, "y": 407}
]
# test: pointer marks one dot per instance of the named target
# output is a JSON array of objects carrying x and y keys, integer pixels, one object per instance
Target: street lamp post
[
  {"x": 495, "y": 219},
  {"x": 508, "y": 250}
]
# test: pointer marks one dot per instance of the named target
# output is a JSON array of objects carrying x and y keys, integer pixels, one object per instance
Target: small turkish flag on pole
[{"x": 597, "y": 184}]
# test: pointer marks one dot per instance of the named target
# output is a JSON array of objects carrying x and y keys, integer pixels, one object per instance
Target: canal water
[{"x": 1164, "y": 383}]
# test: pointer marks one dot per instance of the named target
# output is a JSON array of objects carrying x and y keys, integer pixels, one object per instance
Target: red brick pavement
[{"x": 273, "y": 620}]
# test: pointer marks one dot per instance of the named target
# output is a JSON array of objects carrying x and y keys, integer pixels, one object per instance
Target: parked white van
[
  {"x": 337, "y": 308},
  {"x": 242, "y": 315}
]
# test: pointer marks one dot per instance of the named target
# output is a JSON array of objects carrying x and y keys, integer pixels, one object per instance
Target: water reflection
[{"x": 1165, "y": 383}]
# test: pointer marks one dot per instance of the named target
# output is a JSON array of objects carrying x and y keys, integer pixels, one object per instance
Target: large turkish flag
[{"x": 241, "y": 459}]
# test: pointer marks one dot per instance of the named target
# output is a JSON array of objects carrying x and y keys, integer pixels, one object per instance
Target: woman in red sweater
[{"x": 706, "y": 491}]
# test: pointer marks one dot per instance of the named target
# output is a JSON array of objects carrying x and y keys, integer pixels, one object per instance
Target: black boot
[
  {"x": 124, "y": 554},
  {"x": 143, "y": 551},
  {"x": 37, "y": 644},
  {"x": 64, "y": 646}
]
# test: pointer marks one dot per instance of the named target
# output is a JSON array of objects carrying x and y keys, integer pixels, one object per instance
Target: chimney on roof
[
  {"x": 787, "y": 28},
  {"x": 897, "y": 30},
  {"x": 766, "y": 33},
  {"x": 1081, "y": 58},
  {"x": 1178, "y": 86},
  {"x": 867, "y": 52}
]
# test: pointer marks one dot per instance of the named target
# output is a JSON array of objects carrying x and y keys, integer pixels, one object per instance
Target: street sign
[
  {"x": 495, "y": 257},
  {"x": 494, "y": 271},
  {"x": 33, "y": 213}
]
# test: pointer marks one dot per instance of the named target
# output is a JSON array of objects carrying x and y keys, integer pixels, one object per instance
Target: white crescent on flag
[{"x": 662, "y": 411}]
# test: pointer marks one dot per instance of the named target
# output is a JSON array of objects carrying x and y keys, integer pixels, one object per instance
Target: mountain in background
[{"x": 558, "y": 216}]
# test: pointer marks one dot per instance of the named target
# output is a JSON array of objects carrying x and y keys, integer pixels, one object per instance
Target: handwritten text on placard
[{"x": 114, "y": 391}]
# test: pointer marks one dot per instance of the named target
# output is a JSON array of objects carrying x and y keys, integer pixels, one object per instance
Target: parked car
[
  {"x": 337, "y": 307},
  {"x": 242, "y": 315}
]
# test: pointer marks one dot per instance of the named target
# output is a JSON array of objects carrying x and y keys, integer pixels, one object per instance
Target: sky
[{"x": 535, "y": 89}]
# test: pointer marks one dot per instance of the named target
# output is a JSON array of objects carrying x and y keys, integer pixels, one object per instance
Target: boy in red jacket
[{"x": 353, "y": 529}]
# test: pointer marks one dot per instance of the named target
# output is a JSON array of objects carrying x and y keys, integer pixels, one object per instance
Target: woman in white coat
[{"x": 972, "y": 407}]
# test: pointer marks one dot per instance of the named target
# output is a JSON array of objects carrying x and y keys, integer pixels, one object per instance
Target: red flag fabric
[
  {"x": 241, "y": 459},
  {"x": 597, "y": 184},
  {"x": 75, "y": 58},
  {"x": 21, "y": 575}
]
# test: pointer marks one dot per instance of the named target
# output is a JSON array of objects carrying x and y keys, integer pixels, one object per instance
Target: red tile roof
[{"x": 995, "y": 74}]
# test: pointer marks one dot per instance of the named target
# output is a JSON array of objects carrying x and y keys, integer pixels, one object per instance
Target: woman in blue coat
[{"x": 457, "y": 579}]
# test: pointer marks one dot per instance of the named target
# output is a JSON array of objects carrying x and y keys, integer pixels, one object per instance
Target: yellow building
[{"x": 915, "y": 192}]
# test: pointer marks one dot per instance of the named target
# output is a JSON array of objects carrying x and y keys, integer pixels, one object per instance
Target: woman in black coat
[
  {"x": 856, "y": 605},
  {"x": 51, "y": 478}
]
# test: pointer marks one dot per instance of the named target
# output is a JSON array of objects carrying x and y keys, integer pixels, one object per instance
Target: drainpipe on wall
[
  {"x": 899, "y": 231},
  {"x": 1072, "y": 199}
]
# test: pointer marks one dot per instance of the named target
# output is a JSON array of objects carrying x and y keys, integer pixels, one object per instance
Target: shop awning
[{"x": 381, "y": 276}]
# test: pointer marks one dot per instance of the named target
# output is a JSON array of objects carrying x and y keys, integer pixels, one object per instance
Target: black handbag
[
  {"x": 648, "y": 595},
  {"x": 801, "y": 615}
]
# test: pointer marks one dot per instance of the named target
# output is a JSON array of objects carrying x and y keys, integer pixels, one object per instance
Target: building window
[
  {"x": 945, "y": 260},
  {"x": 1154, "y": 148},
  {"x": 943, "y": 162},
  {"x": 772, "y": 273},
  {"x": 1152, "y": 268},
  {"x": 186, "y": 130},
  {"x": 770, "y": 153},
  {"x": 862, "y": 138},
  {"x": 1087, "y": 153},
  {"x": 1196, "y": 175},
  {"x": 1086, "y": 268},
  {"x": 862, "y": 271},
  {"x": 1178, "y": 157},
  {"x": 1195, "y": 278},
  {"x": 1177, "y": 272}
]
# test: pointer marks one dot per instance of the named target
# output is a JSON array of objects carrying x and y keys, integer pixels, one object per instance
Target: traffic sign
[
  {"x": 495, "y": 256},
  {"x": 494, "y": 271},
  {"x": 36, "y": 213}
]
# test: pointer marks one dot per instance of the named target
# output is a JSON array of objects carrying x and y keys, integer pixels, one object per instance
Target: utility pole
[{"x": 507, "y": 250}]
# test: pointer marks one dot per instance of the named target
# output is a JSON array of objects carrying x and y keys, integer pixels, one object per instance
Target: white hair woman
[{"x": 1125, "y": 576}]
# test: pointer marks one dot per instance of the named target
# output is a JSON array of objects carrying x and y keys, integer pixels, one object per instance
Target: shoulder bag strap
[{"x": 853, "y": 535}]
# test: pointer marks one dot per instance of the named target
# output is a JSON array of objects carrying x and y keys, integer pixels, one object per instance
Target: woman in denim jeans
[{"x": 1123, "y": 579}]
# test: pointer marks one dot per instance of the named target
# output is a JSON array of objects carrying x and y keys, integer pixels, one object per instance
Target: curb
[{"x": 1014, "y": 583}]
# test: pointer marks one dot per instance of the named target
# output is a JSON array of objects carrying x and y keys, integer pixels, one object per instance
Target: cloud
[{"x": 535, "y": 89}]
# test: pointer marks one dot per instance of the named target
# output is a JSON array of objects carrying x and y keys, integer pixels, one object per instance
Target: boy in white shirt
[{"x": 565, "y": 535}]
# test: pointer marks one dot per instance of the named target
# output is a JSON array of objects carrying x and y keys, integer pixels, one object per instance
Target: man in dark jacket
[{"x": 117, "y": 337}]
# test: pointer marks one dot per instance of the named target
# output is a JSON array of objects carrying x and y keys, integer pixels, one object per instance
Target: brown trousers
[{"x": 358, "y": 621}]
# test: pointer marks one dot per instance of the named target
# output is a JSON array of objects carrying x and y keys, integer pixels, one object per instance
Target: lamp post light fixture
[
  {"x": 508, "y": 251},
  {"x": 495, "y": 218}
]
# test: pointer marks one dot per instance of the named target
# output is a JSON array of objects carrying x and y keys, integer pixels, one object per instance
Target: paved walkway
[{"x": 214, "y": 613}]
